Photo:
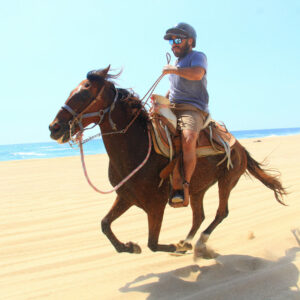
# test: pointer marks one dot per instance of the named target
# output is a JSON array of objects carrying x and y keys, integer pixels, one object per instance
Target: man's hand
[{"x": 169, "y": 69}]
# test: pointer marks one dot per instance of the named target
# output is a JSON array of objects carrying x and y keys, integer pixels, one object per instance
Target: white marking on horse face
[
  {"x": 75, "y": 91},
  {"x": 78, "y": 89}
]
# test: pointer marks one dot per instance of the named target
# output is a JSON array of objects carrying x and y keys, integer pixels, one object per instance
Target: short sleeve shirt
[{"x": 194, "y": 92}]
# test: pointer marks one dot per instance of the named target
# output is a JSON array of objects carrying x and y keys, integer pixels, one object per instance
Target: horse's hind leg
[
  {"x": 225, "y": 187},
  {"x": 198, "y": 218},
  {"x": 198, "y": 214},
  {"x": 119, "y": 207}
]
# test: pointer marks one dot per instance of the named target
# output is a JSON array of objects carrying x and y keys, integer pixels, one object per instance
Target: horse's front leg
[
  {"x": 119, "y": 207},
  {"x": 155, "y": 218}
]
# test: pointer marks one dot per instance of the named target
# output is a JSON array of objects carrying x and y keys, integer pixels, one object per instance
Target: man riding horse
[{"x": 189, "y": 97}]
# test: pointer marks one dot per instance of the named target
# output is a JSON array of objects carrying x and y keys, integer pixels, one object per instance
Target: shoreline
[{"x": 254, "y": 139}]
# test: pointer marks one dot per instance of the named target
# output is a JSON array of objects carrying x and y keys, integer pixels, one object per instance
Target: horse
[{"x": 96, "y": 100}]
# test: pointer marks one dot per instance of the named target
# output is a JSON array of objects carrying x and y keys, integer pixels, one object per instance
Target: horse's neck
[{"x": 122, "y": 147}]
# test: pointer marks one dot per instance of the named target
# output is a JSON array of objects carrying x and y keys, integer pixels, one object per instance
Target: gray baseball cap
[{"x": 181, "y": 30}]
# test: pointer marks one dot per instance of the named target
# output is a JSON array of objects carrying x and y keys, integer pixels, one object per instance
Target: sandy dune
[{"x": 51, "y": 246}]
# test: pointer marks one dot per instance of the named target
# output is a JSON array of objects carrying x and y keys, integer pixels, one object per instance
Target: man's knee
[{"x": 189, "y": 139}]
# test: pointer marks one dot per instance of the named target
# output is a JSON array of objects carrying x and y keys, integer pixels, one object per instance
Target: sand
[{"x": 51, "y": 245}]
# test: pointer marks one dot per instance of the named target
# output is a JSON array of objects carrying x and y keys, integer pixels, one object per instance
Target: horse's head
[{"x": 77, "y": 113}]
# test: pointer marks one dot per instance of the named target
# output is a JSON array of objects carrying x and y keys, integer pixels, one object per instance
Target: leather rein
[{"x": 77, "y": 119}]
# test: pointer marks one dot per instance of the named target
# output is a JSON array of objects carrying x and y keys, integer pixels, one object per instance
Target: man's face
[{"x": 181, "y": 50}]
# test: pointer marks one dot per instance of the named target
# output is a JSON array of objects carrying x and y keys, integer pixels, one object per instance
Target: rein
[
  {"x": 125, "y": 179},
  {"x": 77, "y": 118},
  {"x": 108, "y": 109}
]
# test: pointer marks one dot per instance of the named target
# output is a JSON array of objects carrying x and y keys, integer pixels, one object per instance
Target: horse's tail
[{"x": 269, "y": 180}]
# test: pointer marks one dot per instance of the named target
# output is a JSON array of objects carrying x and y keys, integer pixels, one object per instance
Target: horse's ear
[
  {"x": 97, "y": 75},
  {"x": 105, "y": 71}
]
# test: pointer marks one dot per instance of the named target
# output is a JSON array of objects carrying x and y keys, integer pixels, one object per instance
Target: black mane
[
  {"x": 127, "y": 97},
  {"x": 130, "y": 99}
]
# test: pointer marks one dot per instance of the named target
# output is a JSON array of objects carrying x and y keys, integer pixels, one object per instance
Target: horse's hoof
[
  {"x": 133, "y": 248},
  {"x": 183, "y": 246}
]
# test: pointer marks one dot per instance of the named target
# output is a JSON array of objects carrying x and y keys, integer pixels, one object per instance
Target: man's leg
[
  {"x": 189, "y": 140},
  {"x": 190, "y": 123}
]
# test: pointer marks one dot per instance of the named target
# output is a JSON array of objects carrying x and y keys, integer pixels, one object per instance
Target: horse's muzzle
[{"x": 59, "y": 132}]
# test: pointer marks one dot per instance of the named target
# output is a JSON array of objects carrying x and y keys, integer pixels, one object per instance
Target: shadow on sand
[{"x": 232, "y": 277}]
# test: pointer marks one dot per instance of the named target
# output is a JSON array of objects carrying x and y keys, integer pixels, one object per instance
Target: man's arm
[
  {"x": 193, "y": 73},
  {"x": 167, "y": 94}
]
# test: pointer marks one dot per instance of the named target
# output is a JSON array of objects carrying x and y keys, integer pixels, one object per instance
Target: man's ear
[{"x": 190, "y": 41}]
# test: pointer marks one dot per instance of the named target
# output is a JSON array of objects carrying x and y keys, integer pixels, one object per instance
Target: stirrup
[
  {"x": 180, "y": 198},
  {"x": 177, "y": 197}
]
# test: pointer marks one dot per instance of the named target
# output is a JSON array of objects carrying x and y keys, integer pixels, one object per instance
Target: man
[{"x": 190, "y": 98}]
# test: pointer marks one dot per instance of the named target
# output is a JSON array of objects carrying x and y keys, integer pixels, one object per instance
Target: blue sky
[{"x": 47, "y": 47}]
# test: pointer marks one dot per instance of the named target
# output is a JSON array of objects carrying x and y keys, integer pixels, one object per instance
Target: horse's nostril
[{"x": 54, "y": 127}]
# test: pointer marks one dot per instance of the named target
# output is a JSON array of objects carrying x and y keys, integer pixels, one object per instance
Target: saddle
[{"x": 214, "y": 139}]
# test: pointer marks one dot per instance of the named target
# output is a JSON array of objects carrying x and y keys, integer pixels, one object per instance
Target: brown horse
[{"x": 96, "y": 100}]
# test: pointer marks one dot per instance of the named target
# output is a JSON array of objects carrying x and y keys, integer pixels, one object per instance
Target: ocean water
[
  {"x": 48, "y": 150},
  {"x": 96, "y": 146}
]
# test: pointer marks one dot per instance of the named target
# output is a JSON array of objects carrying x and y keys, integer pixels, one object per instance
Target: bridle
[{"x": 78, "y": 117}]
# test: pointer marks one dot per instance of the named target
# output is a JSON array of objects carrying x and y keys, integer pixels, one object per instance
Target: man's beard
[{"x": 183, "y": 51}]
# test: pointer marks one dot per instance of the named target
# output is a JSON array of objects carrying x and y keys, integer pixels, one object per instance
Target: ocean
[{"x": 96, "y": 146}]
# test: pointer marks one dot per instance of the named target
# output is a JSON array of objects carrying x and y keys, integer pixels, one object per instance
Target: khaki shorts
[{"x": 189, "y": 117}]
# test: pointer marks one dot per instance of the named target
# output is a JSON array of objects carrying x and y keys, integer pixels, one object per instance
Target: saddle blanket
[{"x": 213, "y": 140}]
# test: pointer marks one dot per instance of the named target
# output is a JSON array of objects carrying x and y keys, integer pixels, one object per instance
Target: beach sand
[{"x": 52, "y": 247}]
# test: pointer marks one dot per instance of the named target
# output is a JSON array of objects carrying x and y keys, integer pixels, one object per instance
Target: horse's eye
[{"x": 87, "y": 84}]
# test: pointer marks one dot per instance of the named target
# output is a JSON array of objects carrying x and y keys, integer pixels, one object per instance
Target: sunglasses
[{"x": 175, "y": 41}]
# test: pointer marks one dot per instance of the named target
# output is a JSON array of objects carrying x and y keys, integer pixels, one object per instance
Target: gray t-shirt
[{"x": 190, "y": 91}]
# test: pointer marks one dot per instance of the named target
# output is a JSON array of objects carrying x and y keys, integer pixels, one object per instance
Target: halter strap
[
  {"x": 73, "y": 113},
  {"x": 70, "y": 110},
  {"x": 101, "y": 113}
]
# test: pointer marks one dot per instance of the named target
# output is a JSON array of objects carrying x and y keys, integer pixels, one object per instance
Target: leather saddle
[{"x": 214, "y": 139}]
